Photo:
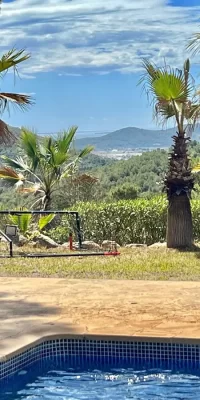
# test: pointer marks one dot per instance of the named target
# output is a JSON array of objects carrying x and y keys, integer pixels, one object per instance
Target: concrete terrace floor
[{"x": 32, "y": 308}]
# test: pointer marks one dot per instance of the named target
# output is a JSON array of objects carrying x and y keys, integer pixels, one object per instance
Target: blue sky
[{"x": 86, "y": 58}]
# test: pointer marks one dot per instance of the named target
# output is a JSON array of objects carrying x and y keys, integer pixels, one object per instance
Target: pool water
[{"x": 67, "y": 383}]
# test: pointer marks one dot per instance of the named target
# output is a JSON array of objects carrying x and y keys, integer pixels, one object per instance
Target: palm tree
[
  {"x": 8, "y": 61},
  {"x": 46, "y": 163},
  {"x": 174, "y": 96}
]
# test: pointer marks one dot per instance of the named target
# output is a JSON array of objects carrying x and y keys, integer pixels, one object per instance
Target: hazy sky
[{"x": 86, "y": 57}]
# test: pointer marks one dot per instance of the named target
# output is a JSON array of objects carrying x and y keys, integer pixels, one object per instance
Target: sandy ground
[{"x": 33, "y": 307}]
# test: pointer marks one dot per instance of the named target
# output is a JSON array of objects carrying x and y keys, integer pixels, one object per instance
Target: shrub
[{"x": 133, "y": 221}]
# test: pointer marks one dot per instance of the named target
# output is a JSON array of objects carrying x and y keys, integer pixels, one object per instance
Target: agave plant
[
  {"x": 174, "y": 97},
  {"x": 8, "y": 61},
  {"x": 46, "y": 163}
]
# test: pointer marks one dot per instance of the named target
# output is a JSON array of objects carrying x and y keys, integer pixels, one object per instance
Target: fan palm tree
[
  {"x": 8, "y": 61},
  {"x": 174, "y": 97},
  {"x": 47, "y": 161}
]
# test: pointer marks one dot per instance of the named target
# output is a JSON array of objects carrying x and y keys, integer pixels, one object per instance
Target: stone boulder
[
  {"x": 44, "y": 241},
  {"x": 110, "y": 245},
  {"x": 90, "y": 245},
  {"x": 3, "y": 239},
  {"x": 22, "y": 241},
  {"x": 158, "y": 245},
  {"x": 135, "y": 245},
  {"x": 66, "y": 246}
]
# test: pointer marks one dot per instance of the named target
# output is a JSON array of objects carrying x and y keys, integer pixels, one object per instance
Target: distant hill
[
  {"x": 134, "y": 138},
  {"x": 16, "y": 131},
  {"x": 126, "y": 138}
]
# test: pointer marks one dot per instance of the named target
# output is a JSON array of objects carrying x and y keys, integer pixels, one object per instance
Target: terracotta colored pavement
[{"x": 32, "y": 308}]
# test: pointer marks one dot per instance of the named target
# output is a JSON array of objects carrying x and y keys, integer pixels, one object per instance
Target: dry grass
[{"x": 152, "y": 264}]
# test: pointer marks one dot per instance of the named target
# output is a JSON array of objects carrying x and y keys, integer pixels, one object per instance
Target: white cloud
[
  {"x": 69, "y": 36},
  {"x": 69, "y": 74}
]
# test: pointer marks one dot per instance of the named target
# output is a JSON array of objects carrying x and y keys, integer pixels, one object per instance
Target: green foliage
[
  {"x": 22, "y": 221},
  {"x": 60, "y": 234},
  {"x": 45, "y": 220},
  {"x": 45, "y": 163},
  {"x": 133, "y": 221},
  {"x": 127, "y": 191},
  {"x": 137, "y": 221},
  {"x": 26, "y": 221},
  {"x": 145, "y": 172}
]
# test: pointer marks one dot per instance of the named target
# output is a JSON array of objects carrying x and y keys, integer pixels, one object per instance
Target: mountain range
[
  {"x": 132, "y": 138},
  {"x": 128, "y": 138}
]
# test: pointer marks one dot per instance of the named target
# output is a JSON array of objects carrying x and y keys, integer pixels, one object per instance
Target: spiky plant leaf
[
  {"x": 8, "y": 174},
  {"x": 17, "y": 164},
  {"x": 12, "y": 58},
  {"x": 22, "y": 221},
  {"x": 30, "y": 146},
  {"x": 64, "y": 140},
  {"x": 87, "y": 150},
  {"x": 45, "y": 220}
]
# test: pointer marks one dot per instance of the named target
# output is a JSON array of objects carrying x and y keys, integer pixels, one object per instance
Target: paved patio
[{"x": 32, "y": 308}]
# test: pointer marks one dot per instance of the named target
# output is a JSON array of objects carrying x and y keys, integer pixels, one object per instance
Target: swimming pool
[
  {"x": 95, "y": 368},
  {"x": 63, "y": 382}
]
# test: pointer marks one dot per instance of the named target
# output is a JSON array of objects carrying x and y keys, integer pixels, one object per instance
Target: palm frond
[
  {"x": 18, "y": 163},
  {"x": 166, "y": 83},
  {"x": 151, "y": 72},
  {"x": 11, "y": 177},
  {"x": 58, "y": 158},
  {"x": 6, "y": 136},
  {"x": 171, "y": 86},
  {"x": 87, "y": 150},
  {"x": 22, "y": 221},
  {"x": 45, "y": 220},
  {"x": 15, "y": 99},
  {"x": 194, "y": 44},
  {"x": 64, "y": 140},
  {"x": 12, "y": 58},
  {"x": 30, "y": 146}
]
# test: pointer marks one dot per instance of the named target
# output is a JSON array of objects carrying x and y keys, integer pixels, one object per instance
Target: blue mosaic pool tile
[{"x": 104, "y": 351}]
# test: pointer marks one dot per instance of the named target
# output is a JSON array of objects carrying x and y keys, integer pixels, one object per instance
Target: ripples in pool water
[{"x": 113, "y": 385}]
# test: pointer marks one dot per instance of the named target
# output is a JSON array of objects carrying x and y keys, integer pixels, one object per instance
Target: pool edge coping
[{"x": 124, "y": 338}]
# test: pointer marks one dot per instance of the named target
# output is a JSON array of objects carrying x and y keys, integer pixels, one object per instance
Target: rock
[
  {"x": 22, "y": 240},
  {"x": 44, "y": 241},
  {"x": 109, "y": 245},
  {"x": 157, "y": 245},
  {"x": 90, "y": 245},
  {"x": 3, "y": 239},
  {"x": 66, "y": 246},
  {"x": 135, "y": 245}
]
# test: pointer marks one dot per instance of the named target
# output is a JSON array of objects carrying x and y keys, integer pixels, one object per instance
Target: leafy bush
[{"x": 133, "y": 221}]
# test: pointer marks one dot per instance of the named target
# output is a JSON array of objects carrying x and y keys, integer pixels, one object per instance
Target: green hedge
[{"x": 134, "y": 221}]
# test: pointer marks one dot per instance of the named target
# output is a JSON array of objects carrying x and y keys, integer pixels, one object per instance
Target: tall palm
[
  {"x": 174, "y": 97},
  {"x": 8, "y": 61},
  {"x": 45, "y": 164}
]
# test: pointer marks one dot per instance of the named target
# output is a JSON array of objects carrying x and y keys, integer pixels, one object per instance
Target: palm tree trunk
[
  {"x": 179, "y": 222},
  {"x": 47, "y": 202},
  {"x": 179, "y": 184}
]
